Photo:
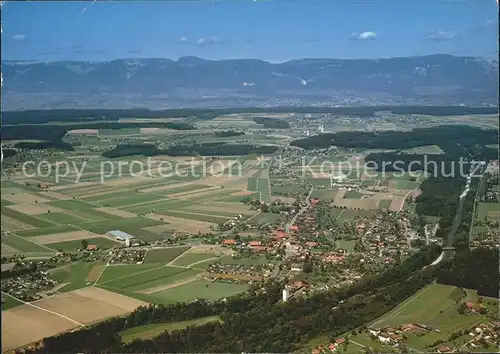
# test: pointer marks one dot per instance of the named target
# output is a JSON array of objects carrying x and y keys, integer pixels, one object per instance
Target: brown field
[
  {"x": 117, "y": 212},
  {"x": 206, "y": 194},
  {"x": 238, "y": 208},
  {"x": 197, "y": 192},
  {"x": 232, "y": 276},
  {"x": 23, "y": 197},
  {"x": 73, "y": 186},
  {"x": 169, "y": 286},
  {"x": 13, "y": 224},
  {"x": 164, "y": 188},
  {"x": 397, "y": 203},
  {"x": 35, "y": 209},
  {"x": 493, "y": 214},
  {"x": 26, "y": 324},
  {"x": 90, "y": 304},
  {"x": 56, "y": 195},
  {"x": 216, "y": 180},
  {"x": 63, "y": 237},
  {"x": 190, "y": 226},
  {"x": 149, "y": 130},
  {"x": 95, "y": 272},
  {"x": 84, "y": 131}
]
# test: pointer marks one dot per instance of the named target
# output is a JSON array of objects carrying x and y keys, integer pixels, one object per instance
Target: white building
[
  {"x": 120, "y": 235},
  {"x": 286, "y": 294}
]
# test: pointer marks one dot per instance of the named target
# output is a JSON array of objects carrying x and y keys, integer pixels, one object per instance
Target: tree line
[
  {"x": 257, "y": 321},
  {"x": 207, "y": 149},
  {"x": 272, "y": 123},
  {"x": 52, "y": 134},
  {"x": 67, "y": 115}
]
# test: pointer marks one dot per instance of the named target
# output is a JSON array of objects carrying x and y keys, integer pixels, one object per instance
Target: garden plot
[{"x": 117, "y": 212}]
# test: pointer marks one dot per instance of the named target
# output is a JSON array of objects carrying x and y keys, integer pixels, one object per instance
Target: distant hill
[{"x": 191, "y": 81}]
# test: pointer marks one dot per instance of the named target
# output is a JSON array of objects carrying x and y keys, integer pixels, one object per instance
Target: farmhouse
[{"x": 120, "y": 235}]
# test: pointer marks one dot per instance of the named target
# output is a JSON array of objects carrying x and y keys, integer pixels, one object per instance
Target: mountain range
[{"x": 195, "y": 82}]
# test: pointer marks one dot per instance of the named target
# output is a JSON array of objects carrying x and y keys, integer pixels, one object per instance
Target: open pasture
[
  {"x": 164, "y": 255},
  {"x": 153, "y": 330},
  {"x": 425, "y": 150},
  {"x": 421, "y": 309},
  {"x": 177, "y": 223},
  {"x": 191, "y": 257}
]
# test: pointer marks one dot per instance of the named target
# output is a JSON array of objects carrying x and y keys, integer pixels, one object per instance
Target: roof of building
[
  {"x": 229, "y": 242},
  {"x": 120, "y": 234},
  {"x": 340, "y": 340},
  {"x": 91, "y": 247}
]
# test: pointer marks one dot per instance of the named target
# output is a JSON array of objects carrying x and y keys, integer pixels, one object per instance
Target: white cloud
[
  {"x": 183, "y": 39},
  {"x": 208, "y": 40},
  {"x": 19, "y": 37},
  {"x": 369, "y": 35},
  {"x": 440, "y": 35}
]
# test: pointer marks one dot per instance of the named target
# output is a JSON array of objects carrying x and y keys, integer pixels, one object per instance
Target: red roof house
[
  {"x": 255, "y": 243},
  {"x": 280, "y": 234},
  {"x": 311, "y": 244},
  {"x": 314, "y": 201},
  {"x": 340, "y": 341},
  {"x": 294, "y": 227},
  {"x": 229, "y": 242}
]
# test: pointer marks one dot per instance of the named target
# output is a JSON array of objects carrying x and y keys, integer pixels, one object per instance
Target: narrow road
[
  {"x": 41, "y": 308},
  {"x": 308, "y": 204}
]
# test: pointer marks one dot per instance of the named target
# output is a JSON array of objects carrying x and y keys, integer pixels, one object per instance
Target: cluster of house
[
  {"x": 126, "y": 255},
  {"x": 240, "y": 273},
  {"x": 336, "y": 345},
  {"x": 486, "y": 333},
  {"x": 395, "y": 336},
  {"x": 27, "y": 287}
]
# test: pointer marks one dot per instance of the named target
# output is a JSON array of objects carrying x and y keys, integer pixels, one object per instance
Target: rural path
[
  {"x": 41, "y": 308},
  {"x": 225, "y": 233},
  {"x": 406, "y": 196},
  {"x": 173, "y": 260},
  {"x": 301, "y": 211},
  {"x": 203, "y": 260}
]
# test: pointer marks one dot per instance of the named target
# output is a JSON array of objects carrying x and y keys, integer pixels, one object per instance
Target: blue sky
[{"x": 274, "y": 30}]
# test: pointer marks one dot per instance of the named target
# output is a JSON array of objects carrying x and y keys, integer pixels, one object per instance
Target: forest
[
  {"x": 473, "y": 269},
  {"x": 207, "y": 149},
  {"x": 228, "y": 133},
  {"x": 445, "y": 136},
  {"x": 67, "y": 115},
  {"x": 272, "y": 123},
  {"x": 52, "y": 134},
  {"x": 257, "y": 321}
]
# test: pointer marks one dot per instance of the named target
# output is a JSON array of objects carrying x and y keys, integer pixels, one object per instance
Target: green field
[
  {"x": 131, "y": 225},
  {"x": 488, "y": 211},
  {"x": 72, "y": 246},
  {"x": 198, "y": 217},
  {"x": 47, "y": 231},
  {"x": 384, "y": 203},
  {"x": 131, "y": 198},
  {"x": 184, "y": 189},
  {"x": 150, "y": 279},
  {"x": 165, "y": 204},
  {"x": 60, "y": 218},
  {"x": 427, "y": 149},
  {"x": 422, "y": 308},
  {"x": 192, "y": 257},
  {"x": 74, "y": 275},
  {"x": 163, "y": 255},
  {"x": 23, "y": 245},
  {"x": 352, "y": 195},
  {"x": 202, "y": 289},
  {"x": 10, "y": 303},
  {"x": 153, "y": 330},
  {"x": 27, "y": 219},
  {"x": 124, "y": 270}
]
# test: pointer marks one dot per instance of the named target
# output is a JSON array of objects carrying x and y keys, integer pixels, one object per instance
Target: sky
[{"x": 272, "y": 30}]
